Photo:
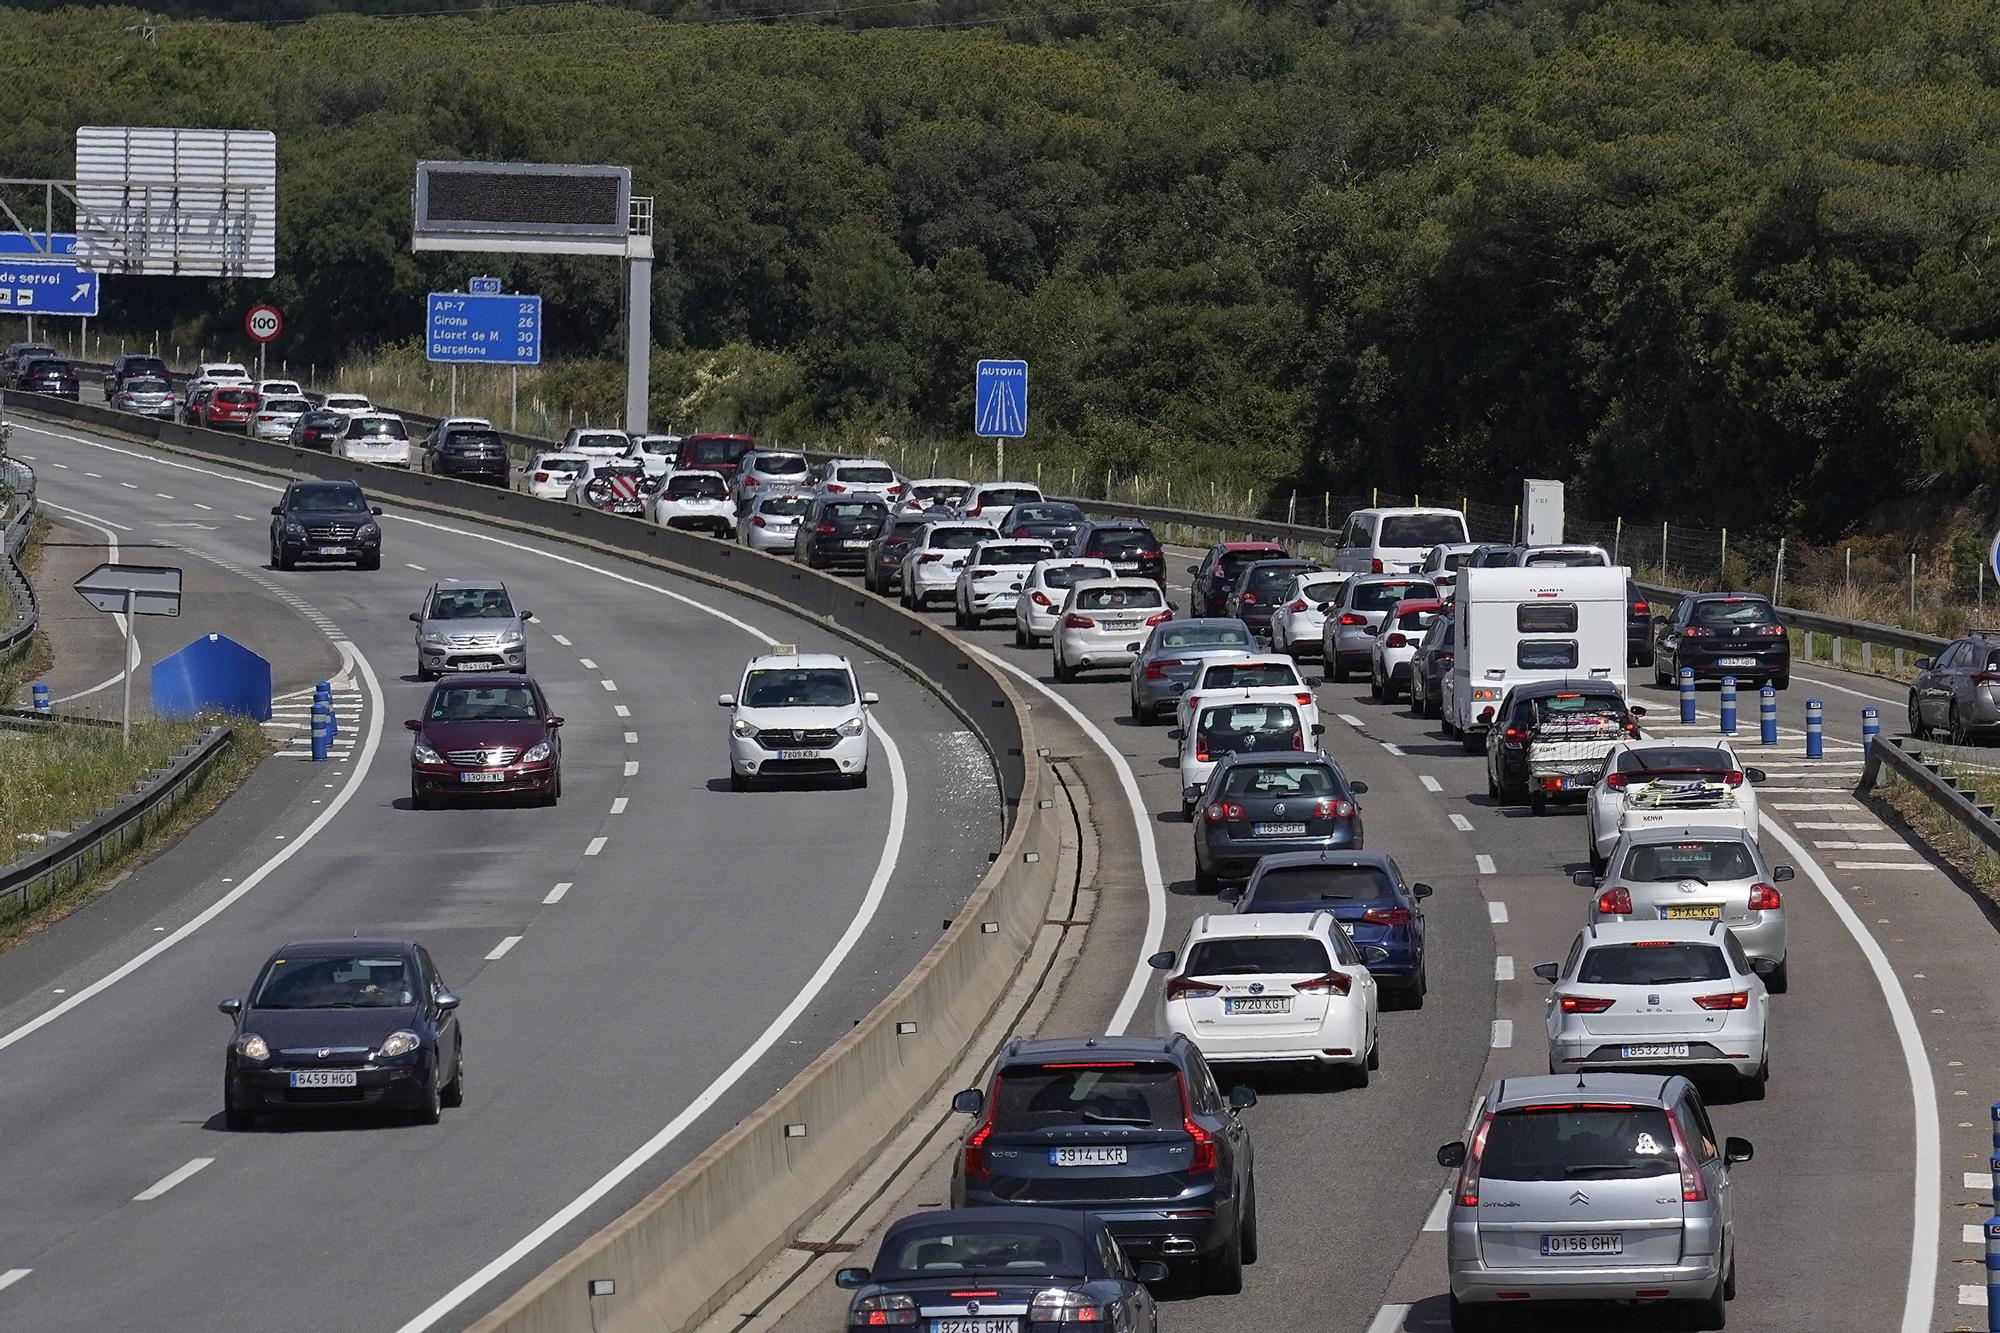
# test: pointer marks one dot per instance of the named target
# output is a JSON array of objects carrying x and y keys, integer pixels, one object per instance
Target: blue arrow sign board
[
  {"x": 1000, "y": 400},
  {"x": 28, "y": 287},
  {"x": 496, "y": 330}
]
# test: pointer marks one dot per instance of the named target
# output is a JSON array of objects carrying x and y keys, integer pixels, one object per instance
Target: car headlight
[
  {"x": 370, "y": 530},
  {"x": 512, "y": 636},
  {"x": 743, "y": 727},
  {"x": 536, "y": 753},
  {"x": 853, "y": 726},
  {"x": 294, "y": 530},
  {"x": 436, "y": 639},
  {"x": 253, "y": 1047},
  {"x": 398, "y": 1043},
  {"x": 424, "y": 754}
]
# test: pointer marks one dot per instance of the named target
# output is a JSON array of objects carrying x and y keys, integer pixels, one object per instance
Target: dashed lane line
[
  {"x": 609, "y": 684},
  {"x": 631, "y": 768},
  {"x": 1486, "y": 866},
  {"x": 631, "y": 738},
  {"x": 555, "y": 895},
  {"x": 1461, "y": 823},
  {"x": 1503, "y": 1033},
  {"x": 1503, "y": 968},
  {"x": 500, "y": 949},
  {"x": 1393, "y": 748},
  {"x": 618, "y": 805},
  {"x": 13, "y": 1275},
  {"x": 171, "y": 1179},
  {"x": 586, "y": 664},
  {"x": 1351, "y": 720},
  {"x": 1430, "y": 783},
  {"x": 560, "y": 639},
  {"x": 1497, "y": 913},
  {"x": 621, "y": 710},
  {"x": 1882, "y": 865},
  {"x": 596, "y": 846}
]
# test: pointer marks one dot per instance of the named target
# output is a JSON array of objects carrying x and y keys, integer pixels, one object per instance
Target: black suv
[
  {"x": 1216, "y": 575},
  {"x": 884, "y": 571},
  {"x": 50, "y": 375},
  {"x": 1260, "y": 590},
  {"x": 838, "y": 530},
  {"x": 325, "y": 520},
  {"x": 1127, "y": 543},
  {"x": 1717, "y": 634},
  {"x": 467, "y": 452},
  {"x": 1132, "y": 1129},
  {"x": 134, "y": 367}
]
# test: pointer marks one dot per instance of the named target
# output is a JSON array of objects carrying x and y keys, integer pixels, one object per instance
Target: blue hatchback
[{"x": 1366, "y": 893}]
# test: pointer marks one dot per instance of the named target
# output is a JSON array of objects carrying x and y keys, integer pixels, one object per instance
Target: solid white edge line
[
  {"x": 171, "y": 1179},
  {"x": 1435, "y": 1219},
  {"x": 1149, "y": 855},
  {"x": 1918, "y": 1298},
  {"x": 13, "y": 1275},
  {"x": 878, "y": 887},
  {"x": 500, "y": 949}
]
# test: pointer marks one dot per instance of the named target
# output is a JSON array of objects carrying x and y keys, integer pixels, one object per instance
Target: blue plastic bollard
[
  {"x": 1993, "y": 1233},
  {"x": 1687, "y": 696},
  {"x": 322, "y": 732},
  {"x": 323, "y": 694},
  {"x": 1815, "y": 722},
  {"x": 1767, "y": 715},
  {"x": 1728, "y": 705},
  {"x": 41, "y": 693},
  {"x": 1871, "y": 727}
]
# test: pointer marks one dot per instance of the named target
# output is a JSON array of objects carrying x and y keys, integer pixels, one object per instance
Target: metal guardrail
[
  {"x": 1904, "y": 759},
  {"x": 19, "y": 520}
]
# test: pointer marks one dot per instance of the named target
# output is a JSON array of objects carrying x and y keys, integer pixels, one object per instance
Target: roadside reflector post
[
  {"x": 41, "y": 693},
  {"x": 1815, "y": 722},
  {"x": 1871, "y": 727},
  {"x": 1993, "y": 1232},
  {"x": 1728, "y": 709},
  {"x": 1687, "y": 696},
  {"x": 322, "y": 731},
  {"x": 323, "y": 694},
  {"x": 1767, "y": 715}
]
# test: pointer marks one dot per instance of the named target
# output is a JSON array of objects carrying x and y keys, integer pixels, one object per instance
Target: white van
[
  {"x": 1395, "y": 541},
  {"x": 1518, "y": 625}
]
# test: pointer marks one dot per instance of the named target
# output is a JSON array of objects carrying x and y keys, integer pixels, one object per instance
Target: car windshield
[
  {"x": 1279, "y": 780},
  {"x": 972, "y": 1247},
  {"x": 471, "y": 604},
  {"x": 1247, "y": 728},
  {"x": 1217, "y": 958},
  {"x": 387, "y": 428},
  {"x": 1382, "y": 596},
  {"x": 344, "y": 981},
  {"x": 1425, "y": 530},
  {"x": 1562, "y": 560},
  {"x": 698, "y": 483},
  {"x": 1205, "y": 636},
  {"x": 1568, "y": 1143},
  {"x": 780, "y": 465},
  {"x": 1012, "y": 555},
  {"x": 790, "y": 506},
  {"x": 1064, "y": 576},
  {"x": 1124, "y": 543},
  {"x": 483, "y": 703},
  {"x": 798, "y": 687},
  {"x": 234, "y": 397},
  {"x": 718, "y": 451},
  {"x": 1248, "y": 675},
  {"x": 142, "y": 385},
  {"x": 483, "y": 439},
  {"x": 1319, "y": 884},
  {"x": 330, "y": 498},
  {"x": 1060, "y": 1096},
  {"x": 1677, "y": 759},
  {"x": 867, "y": 474},
  {"x": 1652, "y": 963},
  {"x": 299, "y": 405},
  {"x": 1118, "y": 599},
  {"x": 1730, "y": 611},
  {"x": 1670, "y": 862},
  {"x": 958, "y": 539}
]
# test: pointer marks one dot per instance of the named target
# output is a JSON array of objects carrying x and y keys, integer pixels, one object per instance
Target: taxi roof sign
[{"x": 784, "y": 650}]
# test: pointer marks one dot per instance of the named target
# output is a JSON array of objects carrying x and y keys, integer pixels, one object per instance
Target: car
[
  {"x": 798, "y": 715},
  {"x": 612, "y": 484},
  {"x": 660, "y": 454},
  {"x": 993, "y": 500},
  {"x": 144, "y": 395},
  {"x": 1257, "y": 805},
  {"x": 695, "y": 500},
  {"x": 989, "y": 583},
  {"x": 1366, "y": 892},
  {"x": 1699, "y": 873},
  {"x": 1127, "y": 543},
  {"x": 214, "y": 374},
  {"x": 773, "y": 521},
  {"x": 1052, "y": 521},
  {"x": 883, "y": 574},
  {"x": 228, "y": 407},
  {"x": 1131, "y": 1129},
  {"x": 275, "y": 416},
  {"x": 548, "y": 476},
  {"x": 1249, "y": 722},
  {"x": 1278, "y": 989},
  {"x": 766, "y": 469},
  {"x": 1957, "y": 693},
  {"x": 862, "y": 476},
  {"x": 1430, "y": 666},
  {"x": 461, "y": 423},
  {"x": 370, "y": 437},
  {"x": 1492, "y": 555},
  {"x": 1594, "y": 1187},
  {"x": 483, "y": 736},
  {"x": 1396, "y": 645},
  {"x": 1717, "y": 634},
  {"x": 1651, "y": 783},
  {"x": 1055, "y": 1267},
  {"x": 1347, "y": 638},
  {"x": 921, "y": 495},
  {"x": 325, "y": 520},
  {"x": 279, "y": 389},
  {"x": 470, "y": 625},
  {"x": 317, "y": 429},
  {"x": 468, "y": 452},
  {"x": 1258, "y": 590},
  {"x": 1660, "y": 995},
  {"x": 20, "y": 353},
  {"x": 344, "y": 1025},
  {"x": 1039, "y": 607},
  {"x": 1561, "y": 557},
  {"x": 1221, "y": 677},
  {"x": 346, "y": 403},
  {"x": 933, "y": 558},
  {"x": 1395, "y": 540},
  {"x": 838, "y": 530},
  {"x": 1215, "y": 576},
  {"x": 1442, "y": 563},
  {"x": 190, "y": 406},
  {"x": 124, "y": 366},
  {"x": 1104, "y": 623},
  {"x": 715, "y": 453},
  {"x": 1638, "y": 627},
  {"x": 51, "y": 376},
  {"x": 1170, "y": 653},
  {"x": 1549, "y": 739},
  {"x": 597, "y": 442},
  {"x": 1298, "y": 621}
]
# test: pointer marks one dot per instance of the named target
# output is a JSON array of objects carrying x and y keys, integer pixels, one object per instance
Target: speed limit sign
[{"x": 263, "y": 322}]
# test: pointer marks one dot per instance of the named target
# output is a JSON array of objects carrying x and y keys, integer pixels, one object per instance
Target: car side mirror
[
  {"x": 1242, "y": 1098},
  {"x": 416, "y": 619},
  {"x": 1754, "y": 774},
  {"x": 1326, "y": 608},
  {"x": 375, "y": 510},
  {"x": 1134, "y": 647},
  {"x": 1371, "y": 630},
  {"x": 1177, "y": 735},
  {"x": 446, "y": 1001},
  {"x": 411, "y": 724},
  {"x": 1779, "y": 874},
  {"x": 1451, "y": 1155},
  {"x": 552, "y": 723},
  {"x": 1319, "y": 729},
  {"x": 850, "y": 1278},
  {"x": 1373, "y": 955},
  {"x": 1736, "y": 1150},
  {"x": 1584, "y": 879},
  {"x": 1485, "y": 715},
  {"x": 527, "y": 615},
  {"x": 1637, "y": 710},
  {"x": 1421, "y": 891},
  {"x": 1546, "y": 971},
  {"x": 1926, "y": 663},
  {"x": 1162, "y": 960},
  {"x": 1194, "y": 569},
  {"x": 870, "y": 697},
  {"x": 1358, "y": 788},
  {"x": 277, "y": 509},
  {"x": 231, "y": 1006},
  {"x": 1763, "y": 967},
  {"x": 726, "y": 700},
  {"x": 1660, "y": 621},
  {"x": 1229, "y": 893},
  {"x": 1151, "y": 1271},
  {"x": 1174, "y": 607},
  {"x": 968, "y": 1101}
]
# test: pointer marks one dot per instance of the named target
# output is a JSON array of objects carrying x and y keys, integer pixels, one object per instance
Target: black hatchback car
[
  {"x": 49, "y": 375},
  {"x": 838, "y": 530},
  {"x": 1717, "y": 634},
  {"x": 1127, "y": 543},
  {"x": 1258, "y": 804},
  {"x": 1260, "y": 589},
  {"x": 883, "y": 572},
  {"x": 1132, "y": 1129},
  {"x": 344, "y": 1024},
  {"x": 467, "y": 452},
  {"x": 325, "y": 521},
  {"x": 131, "y": 366}
]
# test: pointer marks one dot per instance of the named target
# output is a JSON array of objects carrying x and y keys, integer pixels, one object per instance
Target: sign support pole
[
  {"x": 260, "y": 363},
  {"x": 513, "y": 399},
  {"x": 638, "y": 341},
  {"x": 1000, "y": 460},
  {"x": 131, "y": 627},
  {"x": 454, "y": 389}
]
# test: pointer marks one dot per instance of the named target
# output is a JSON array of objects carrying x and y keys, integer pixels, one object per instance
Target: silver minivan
[{"x": 1598, "y": 1187}]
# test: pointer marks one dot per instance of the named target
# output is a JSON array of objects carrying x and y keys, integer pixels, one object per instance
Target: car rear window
[
  {"x": 1675, "y": 760},
  {"x": 1325, "y": 590},
  {"x": 959, "y": 539},
  {"x": 874, "y": 509},
  {"x": 1205, "y": 636},
  {"x": 234, "y": 397},
  {"x": 561, "y": 467},
  {"x": 1566, "y": 1143},
  {"x": 1232, "y": 562},
  {"x": 868, "y": 474},
  {"x": 1060, "y": 1096},
  {"x": 143, "y": 365},
  {"x": 1124, "y": 543},
  {"x": 948, "y": 494},
  {"x": 299, "y": 405},
  {"x": 698, "y": 483},
  {"x": 1277, "y": 780},
  {"x": 1022, "y": 554},
  {"x": 386, "y": 428},
  {"x": 1268, "y": 583},
  {"x": 1417, "y": 620},
  {"x": 779, "y": 465},
  {"x": 141, "y": 385},
  {"x": 1563, "y": 560},
  {"x": 1247, "y": 728},
  {"x": 1577, "y": 708},
  {"x": 1668, "y": 862},
  {"x": 718, "y": 451},
  {"x": 1733, "y": 611},
  {"x": 1652, "y": 963},
  {"x": 1382, "y": 596},
  {"x": 1009, "y": 495},
  {"x": 970, "y": 1247},
  {"x": 1248, "y": 675},
  {"x": 1046, "y": 513},
  {"x": 1064, "y": 576},
  {"x": 1119, "y": 599},
  {"x": 1425, "y": 530},
  {"x": 591, "y": 439},
  {"x": 1320, "y": 884},
  {"x": 789, "y": 505},
  {"x": 1218, "y": 958}
]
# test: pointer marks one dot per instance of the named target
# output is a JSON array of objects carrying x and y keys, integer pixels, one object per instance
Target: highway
[{"x": 641, "y": 965}]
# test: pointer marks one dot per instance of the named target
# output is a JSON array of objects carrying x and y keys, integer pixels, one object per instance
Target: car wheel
[
  {"x": 424, "y": 674},
  {"x": 418, "y": 801},
  {"x": 1492, "y": 787},
  {"x": 1783, "y": 680},
  {"x": 1222, "y": 1271},
  {"x": 1954, "y": 729},
  {"x": 1249, "y": 1227},
  {"x": 1753, "y": 1086},
  {"x": 1712, "y": 1313},
  {"x": 1375, "y": 690},
  {"x": 1444, "y": 721},
  {"x": 737, "y": 782},
  {"x": 1538, "y": 803},
  {"x": 1062, "y": 670},
  {"x": 1780, "y": 980},
  {"x": 1472, "y": 1318},
  {"x": 1660, "y": 677},
  {"x": 959, "y": 618},
  {"x": 1020, "y": 637},
  {"x": 454, "y": 1091},
  {"x": 1471, "y": 741},
  {"x": 1375, "y": 1051},
  {"x": 1729, "y": 1281},
  {"x": 279, "y": 560},
  {"x": 238, "y": 1121},
  {"x": 1204, "y": 882},
  {"x": 857, "y": 781},
  {"x": 369, "y": 562},
  {"x": 431, "y": 1110},
  {"x": 1420, "y": 987},
  {"x": 1337, "y": 671},
  {"x": 1916, "y": 718},
  {"x": 1598, "y": 863},
  {"x": 1358, "y": 1075}
]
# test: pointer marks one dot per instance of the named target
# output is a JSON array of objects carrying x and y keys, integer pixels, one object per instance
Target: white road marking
[
  {"x": 618, "y": 805},
  {"x": 1435, "y": 1219},
  {"x": 1430, "y": 783},
  {"x": 1808, "y": 805},
  {"x": 128, "y": 485},
  {"x": 1925, "y": 1201},
  {"x": 1968, "y": 1294},
  {"x": 608, "y": 684},
  {"x": 1388, "y": 1319},
  {"x": 1352, "y": 720},
  {"x": 1486, "y": 866},
  {"x": 1461, "y": 823},
  {"x": 631, "y": 738},
  {"x": 1503, "y": 1033},
  {"x": 245, "y": 517},
  {"x": 104, "y": 528},
  {"x": 1497, "y": 913},
  {"x": 1826, "y": 790},
  {"x": 560, "y": 639},
  {"x": 1503, "y": 968},
  {"x": 419, "y": 568},
  {"x": 1393, "y": 748},
  {"x": 1836, "y": 828},
  {"x": 1834, "y": 845},
  {"x": 621, "y": 710},
  {"x": 63, "y": 466},
  {"x": 199, "y": 505},
  {"x": 163, "y": 495},
  {"x": 596, "y": 846},
  {"x": 586, "y": 664},
  {"x": 555, "y": 895},
  {"x": 1973, "y": 1234},
  {"x": 171, "y": 1179},
  {"x": 13, "y": 1275},
  {"x": 1979, "y": 1180},
  {"x": 500, "y": 949},
  {"x": 1882, "y": 865}
]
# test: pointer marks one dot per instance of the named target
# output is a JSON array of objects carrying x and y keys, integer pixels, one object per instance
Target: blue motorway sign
[
  {"x": 483, "y": 286},
  {"x": 16, "y": 245},
  {"x": 496, "y": 330},
  {"x": 1000, "y": 399},
  {"x": 32, "y": 288}
]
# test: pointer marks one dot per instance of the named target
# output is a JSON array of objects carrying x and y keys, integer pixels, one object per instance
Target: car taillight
[
  {"x": 1697, "y": 632},
  {"x": 1641, "y": 609},
  {"x": 1616, "y": 781},
  {"x": 1987, "y": 678},
  {"x": 1468, "y": 1175},
  {"x": 1296, "y": 604},
  {"x": 1764, "y": 898},
  {"x": 1693, "y": 1188},
  {"x": 1221, "y": 812},
  {"x": 1248, "y": 598},
  {"x": 895, "y": 1310},
  {"x": 1201, "y": 754},
  {"x": 1514, "y": 735},
  {"x": 539, "y": 476},
  {"x": 1770, "y": 631},
  {"x": 1304, "y": 696},
  {"x": 1061, "y": 1306},
  {"x": 1586, "y": 1004},
  {"x": 896, "y": 490},
  {"x": 825, "y": 529},
  {"x": 976, "y": 1165},
  {"x": 1333, "y": 983},
  {"x": 1350, "y": 620},
  {"x": 1040, "y": 598},
  {"x": 1387, "y": 916},
  {"x": 1396, "y": 641},
  {"x": 1733, "y": 778},
  {"x": 1182, "y": 988},
  {"x": 929, "y": 558},
  {"x": 1159, "y": 617},
  {"x": 1375, "y": 567},
  {"x": 836, "y": 487},
  {"x": 1075, "y": 621},
  {"x": 1615, "y": 901},
  {"x": 749, "y": 481},
  {"x": 1157, "y": 669},
  {"x": 1736, "y": 999},
  {"x": 1203, "y": 1158},
  {"x": 757, "y": 521},
  {"x": 1335, "y": 808}
]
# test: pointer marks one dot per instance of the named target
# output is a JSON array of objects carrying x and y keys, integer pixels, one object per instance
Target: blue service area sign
[
  {"x": 31, "y": 284},
  {"x": 16, "y": 245},
  {"x": 504, "y": 330},
  {"x": 1000, "y": 399}
]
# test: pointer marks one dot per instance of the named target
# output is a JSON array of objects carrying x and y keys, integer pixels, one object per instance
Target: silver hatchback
[
  {"x": 1347, "y": 639},
  {"x": 1694, "y": 873},
  {"x": 1600, "y": 1187},
  {"x": 470, "y": 625}
]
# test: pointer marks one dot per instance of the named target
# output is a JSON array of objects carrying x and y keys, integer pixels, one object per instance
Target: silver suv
[
  {"x": 1600, "y": 1187},
  {"x": 470, "y": 625}
]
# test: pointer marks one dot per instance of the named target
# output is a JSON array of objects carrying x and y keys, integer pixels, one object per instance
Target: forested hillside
[{"x": 1691, "y": 250}]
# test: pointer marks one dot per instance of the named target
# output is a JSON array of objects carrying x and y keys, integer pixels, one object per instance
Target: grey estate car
[
  {"x": 1958, "y": 691},
  {"x": 470, "y": 625},
  {"x": 1597, "y": 1187},
  {"x": 1165, "y": 663}
]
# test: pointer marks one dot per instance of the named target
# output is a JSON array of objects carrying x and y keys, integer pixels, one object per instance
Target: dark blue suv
[
  {"x": 1366, "y": 893},
  {"x": 1132, "y": 1129}
]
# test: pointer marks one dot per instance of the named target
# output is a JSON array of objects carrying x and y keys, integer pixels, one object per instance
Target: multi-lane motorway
[{"x": 640, "y": 965}]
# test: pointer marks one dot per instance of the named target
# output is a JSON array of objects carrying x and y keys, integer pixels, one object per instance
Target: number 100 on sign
[{"x": 503, "y": 330}]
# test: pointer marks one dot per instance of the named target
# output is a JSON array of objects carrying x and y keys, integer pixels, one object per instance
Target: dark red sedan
[{"x": 485, "y": 736}]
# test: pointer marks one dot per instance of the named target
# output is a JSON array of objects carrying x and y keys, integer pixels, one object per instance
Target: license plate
[
  {"x": 1086, "y": 1157},
  {"x": 1736, "y": 661},
  {"x": 798, "y": 754},
  {"x": 1277, "y": 830},
  {"x": 984, "y": 1323},
  {"x": 1600, "y": 1242},
  {"x": 493, "y": 776},
  {"x": 859, "y": 545},
  {"x": 333, "y": 550},
  {"x": 1126, "y": 566},
  {"x": 1676, "y": 1052},
  {"x": 1713, "y": 912},
  {"x": 1121, "y": 624},
  {"x": 1258, "y": 1004},
  {"x": 324, "y": 1078}
]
